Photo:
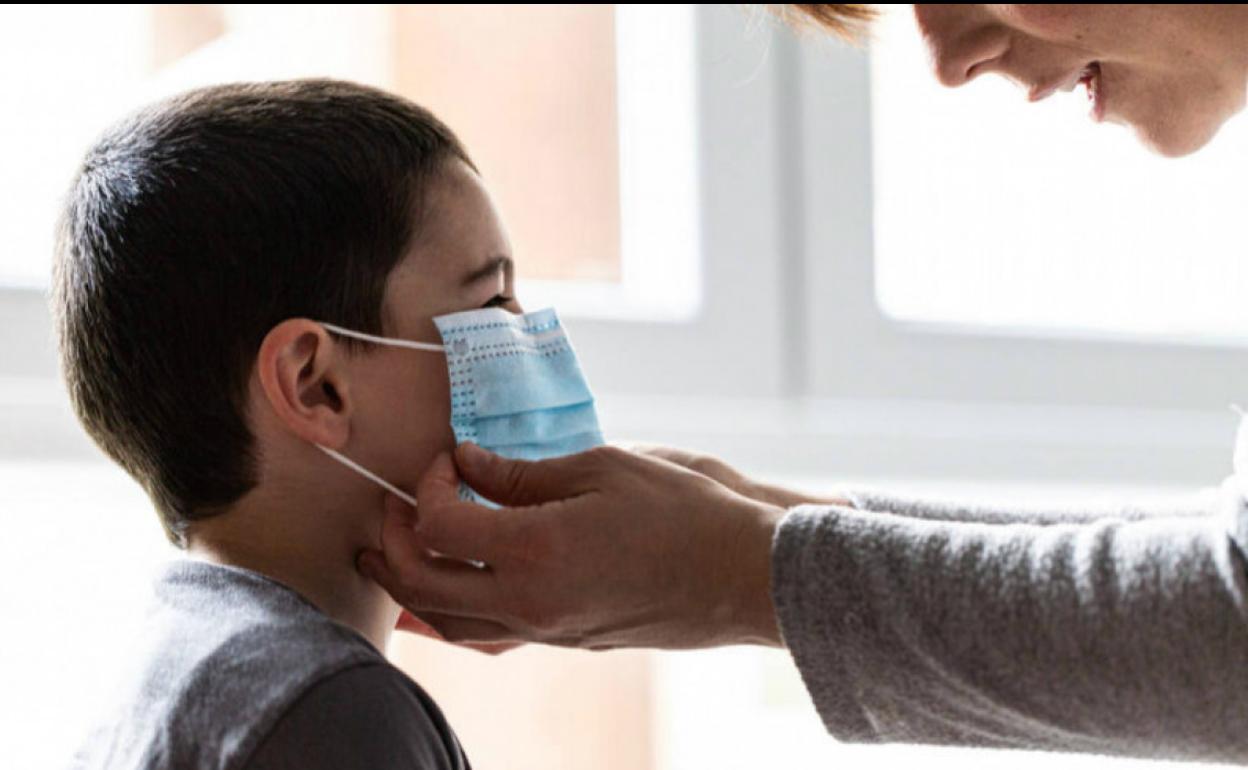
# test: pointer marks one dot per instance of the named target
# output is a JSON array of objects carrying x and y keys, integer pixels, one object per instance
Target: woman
[{"x": 1118, "y": 632}]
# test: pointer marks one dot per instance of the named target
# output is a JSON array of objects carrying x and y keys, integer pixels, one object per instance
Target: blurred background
[{"x": 804, "y": 257}]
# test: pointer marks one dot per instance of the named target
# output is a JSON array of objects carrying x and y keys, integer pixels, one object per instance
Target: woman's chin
[{"x": 1171, "y": 141}]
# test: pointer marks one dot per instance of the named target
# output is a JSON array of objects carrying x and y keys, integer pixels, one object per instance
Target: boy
[{"x": 203, "y": 241}]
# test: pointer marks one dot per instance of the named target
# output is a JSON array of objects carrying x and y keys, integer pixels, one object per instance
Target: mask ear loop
[
  {"x": 410, "y": 344},
  {"x": 366, "y": 473},
  {"x": 360, "y": 469},
  {"x": 353, "y": 465}
]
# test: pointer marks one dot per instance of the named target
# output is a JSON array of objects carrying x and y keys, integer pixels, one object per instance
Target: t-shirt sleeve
[
  {"x": 1111, "y": 635},
  {"x": 367, "y": 716}
]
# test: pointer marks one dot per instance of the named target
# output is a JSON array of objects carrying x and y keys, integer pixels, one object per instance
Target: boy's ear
[{"x": 304, "y": 377}]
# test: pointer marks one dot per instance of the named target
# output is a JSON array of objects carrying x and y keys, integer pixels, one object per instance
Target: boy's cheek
[{"x": 402, "y": 416}]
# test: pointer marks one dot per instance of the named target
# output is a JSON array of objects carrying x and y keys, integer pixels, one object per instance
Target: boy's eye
[{"x": 497, "y": 300}]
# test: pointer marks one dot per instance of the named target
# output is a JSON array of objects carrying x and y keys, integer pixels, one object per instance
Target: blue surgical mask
[{"x": 516, "y": 387}]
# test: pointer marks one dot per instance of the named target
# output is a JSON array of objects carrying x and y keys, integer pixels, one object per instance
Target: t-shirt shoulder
[
  {"x": 365, "y": 716},
  {"x": 223, "y": 657}
]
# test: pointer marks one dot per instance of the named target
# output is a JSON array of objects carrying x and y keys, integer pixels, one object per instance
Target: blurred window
[{"x": 993, "y": 212}]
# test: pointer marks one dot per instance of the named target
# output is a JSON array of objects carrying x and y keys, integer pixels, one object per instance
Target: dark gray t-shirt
[{"x": 236, "y": 670}]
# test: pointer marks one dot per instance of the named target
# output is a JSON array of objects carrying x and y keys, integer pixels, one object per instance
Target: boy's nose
[{"x": 960, "y": 39}]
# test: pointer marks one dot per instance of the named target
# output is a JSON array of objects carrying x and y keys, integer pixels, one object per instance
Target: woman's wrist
[{"x": 756, "y": 615}]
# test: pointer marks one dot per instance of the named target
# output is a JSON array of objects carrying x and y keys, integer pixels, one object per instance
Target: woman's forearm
[
  {"x": 948, "y": 508},
  {"x": 1114, "y": 636}
]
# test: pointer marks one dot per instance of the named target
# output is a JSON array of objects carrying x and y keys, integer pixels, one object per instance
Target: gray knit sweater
[{"x": 1118, "y": 632}]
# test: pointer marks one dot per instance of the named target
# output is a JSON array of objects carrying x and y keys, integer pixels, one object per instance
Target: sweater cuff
[{"x": 816, "y": 617}]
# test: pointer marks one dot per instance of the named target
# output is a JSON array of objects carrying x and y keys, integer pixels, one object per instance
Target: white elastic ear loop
[
  {"x": 410, "y": 344},
  {"x": 366, "y": 473}
]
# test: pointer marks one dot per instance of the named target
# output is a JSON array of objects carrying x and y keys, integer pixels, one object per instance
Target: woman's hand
[
  {"x": 598, "y": 550},
  {"x": 414, "y": 625},
  {"x": 725, "y": 474}
]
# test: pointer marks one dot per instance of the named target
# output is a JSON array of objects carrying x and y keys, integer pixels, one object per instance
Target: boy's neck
[{"x": 310, "y": 551}]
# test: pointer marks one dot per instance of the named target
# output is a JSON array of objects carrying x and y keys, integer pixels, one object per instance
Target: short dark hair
[{"x": 196, "y": 225}]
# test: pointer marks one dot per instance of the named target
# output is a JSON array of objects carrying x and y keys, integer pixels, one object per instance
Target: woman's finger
[
  {"x": 449, "y": 525},
  {"x": 519, "y": 483},
  {"x": 423, "y": 581},
  {"x": 478, "y": 633},
  {"x": 414, "y": 625}
]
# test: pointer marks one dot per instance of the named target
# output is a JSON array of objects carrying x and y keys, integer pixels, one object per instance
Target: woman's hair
[{"x": 845, "y": 21}]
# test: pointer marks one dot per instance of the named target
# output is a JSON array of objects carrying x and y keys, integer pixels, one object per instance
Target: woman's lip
[{"x": 1066, "y": 84}]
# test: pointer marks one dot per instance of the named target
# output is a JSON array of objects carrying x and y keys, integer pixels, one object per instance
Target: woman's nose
[{"x": 961, "y": 40}]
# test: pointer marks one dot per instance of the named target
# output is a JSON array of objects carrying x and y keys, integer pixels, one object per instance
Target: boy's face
[{"x": 461, "y": 260}]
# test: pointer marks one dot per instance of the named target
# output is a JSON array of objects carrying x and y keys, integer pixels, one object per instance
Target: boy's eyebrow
[{"x": 490, "y": 268}]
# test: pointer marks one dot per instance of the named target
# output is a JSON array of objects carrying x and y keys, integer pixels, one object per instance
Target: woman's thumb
[{"x": 519, "y": 482}]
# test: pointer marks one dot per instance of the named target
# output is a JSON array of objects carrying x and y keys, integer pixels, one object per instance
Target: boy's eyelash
[{"x": 497, "y": 300}]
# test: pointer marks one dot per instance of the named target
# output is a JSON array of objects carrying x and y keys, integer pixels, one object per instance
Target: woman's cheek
[{"x": 1061, "y": 22}]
